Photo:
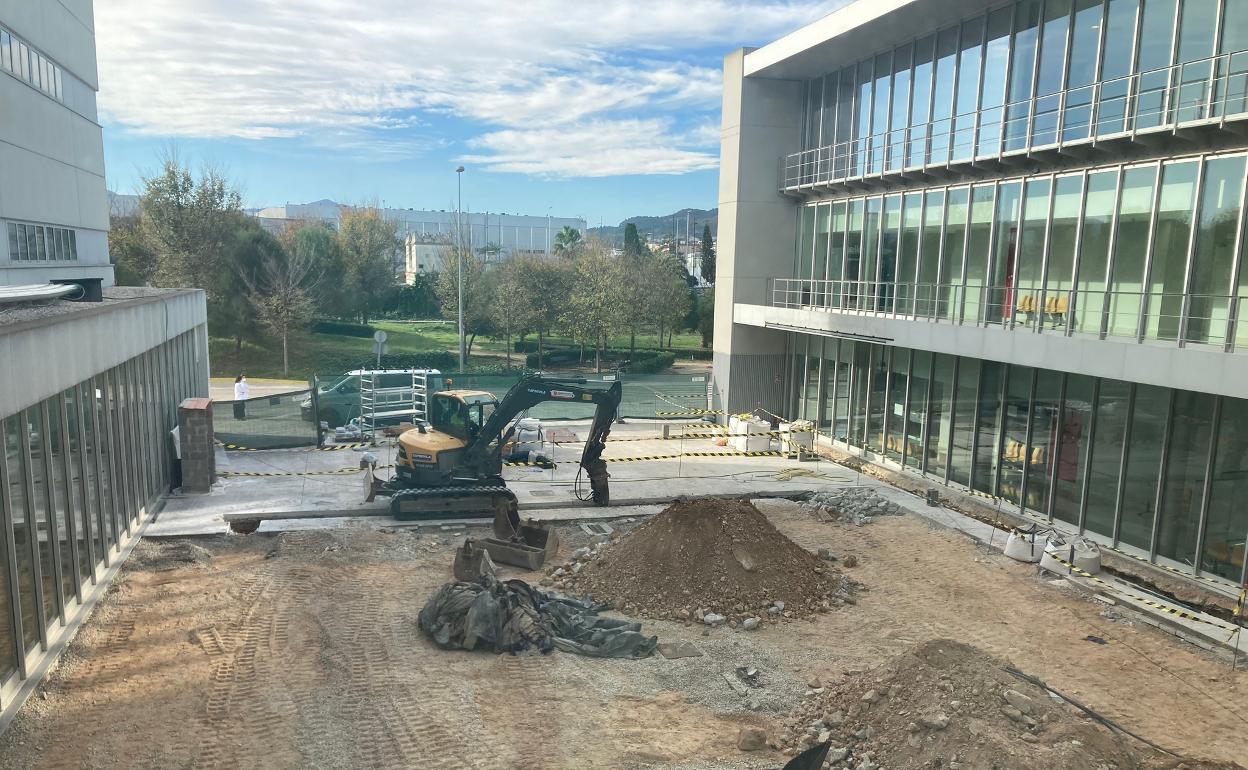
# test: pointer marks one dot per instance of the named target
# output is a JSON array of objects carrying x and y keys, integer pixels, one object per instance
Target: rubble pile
[
  {"x": 856, "y": 505},
  {"x": 948, "y": 705},
  {"x": 718, "y": 562}
]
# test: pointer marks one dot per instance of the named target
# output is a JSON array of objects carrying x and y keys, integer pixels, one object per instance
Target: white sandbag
[
  {"x": 1026, "y": 546},
  {"x": 1081, "y": 552}
]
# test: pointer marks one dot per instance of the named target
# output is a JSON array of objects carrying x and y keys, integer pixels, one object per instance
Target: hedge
[
  {"x": 338, "y": 364},
  {"x": 343, "y": 328},
  {"x": 641, "y": 362}
]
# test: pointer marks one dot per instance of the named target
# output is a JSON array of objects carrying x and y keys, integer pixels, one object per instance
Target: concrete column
[
  {"x": 199, "y": 457},
  {"x": 762, "y": 122}
]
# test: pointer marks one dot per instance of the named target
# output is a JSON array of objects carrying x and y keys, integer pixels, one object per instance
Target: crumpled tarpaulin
[{"x": 510, "y": 616}]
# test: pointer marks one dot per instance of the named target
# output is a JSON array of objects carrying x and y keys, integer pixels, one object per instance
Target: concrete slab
[{"x": 327, "y": 486}]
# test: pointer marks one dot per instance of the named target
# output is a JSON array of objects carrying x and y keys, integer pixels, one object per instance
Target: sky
[{"x": 602, "y": 110}]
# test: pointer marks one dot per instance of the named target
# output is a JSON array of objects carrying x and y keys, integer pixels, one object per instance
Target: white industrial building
[
  {"x": 511, "y": 232},
  {"x": 53, "y": 210}
]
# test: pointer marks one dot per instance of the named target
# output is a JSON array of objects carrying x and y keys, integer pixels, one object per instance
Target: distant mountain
[{"x": 657, "y": 228}]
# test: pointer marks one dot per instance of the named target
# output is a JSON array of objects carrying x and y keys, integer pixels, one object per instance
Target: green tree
[
  {"x": 596, "y": 299},
  {"x": 544, "y": 286},
  {"x": 632, "y": 242},
  {"x": 369, "y": 245},
  {"x": 280, "y": 291},
  {"x": 666, "y": 293},
  {"x": 418, "y": 299},
  {"x": 708, "y": 254},
  {"x": 477, "y": 294},
  {"x": 188, "y": 223},
  {"x": 568, "y": 241},
  {"x": 706, "y": 318},
  {"x": 134, "y": 261},
  {"x": 510, "y": 309},
  {"x": 316, "y": 245}
]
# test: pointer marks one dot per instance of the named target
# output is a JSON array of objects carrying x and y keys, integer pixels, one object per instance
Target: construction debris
[
  {"x": 856, "y": 505},
  {"x": 716, "y": 562},
  {"x": 511, "y": 616},
  {"x": 949, "y": 705}
]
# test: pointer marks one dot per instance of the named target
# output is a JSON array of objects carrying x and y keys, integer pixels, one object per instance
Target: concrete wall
[
  {"x": 42, "y": 357},
  {"x": 757, "y": 228},
  {"x": 1195, "y": 368},
  {"x": 52, "y": 152}
]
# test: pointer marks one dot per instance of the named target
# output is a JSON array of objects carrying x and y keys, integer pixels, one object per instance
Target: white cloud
[{"x": 603, "y": 87}]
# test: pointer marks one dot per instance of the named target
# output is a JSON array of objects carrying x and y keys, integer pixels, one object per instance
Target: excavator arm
[{"x": 536, "y": 389}]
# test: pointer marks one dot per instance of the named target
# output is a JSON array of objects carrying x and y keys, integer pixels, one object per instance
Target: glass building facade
[
  {"x": 1153, "y": 471},
  {"x": 78, "y": 473},
  {"x": 1027, "y": 76},
  {"x": 1150, "y": 249}
]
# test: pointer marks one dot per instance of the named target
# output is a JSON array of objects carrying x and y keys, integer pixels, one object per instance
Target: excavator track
[{"x": 462, "y": 501}]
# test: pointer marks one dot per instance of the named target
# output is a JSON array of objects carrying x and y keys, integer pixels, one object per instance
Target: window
[
  {"x": 996, "y": 66},
  {"x": 1184, "y": 484},
  {"x": 29, "y": 65},
  {"x": 1085, "y": 40},
  {"x": 1156, "y": 45},
  {"x": 1050, "y": 71},
  {"x": 964, "y": 409},
  {"x": 1116, "y": 65},
  {"x": 979, "y": 244},
  {"x": 1135, "y": 208},
  {"x": 956, "y": 212},
  {"x": 1215, "y": 249},
  {"x": 1227, "y": 519},
  {"x": 1074, "y": 440},
  {"x": 969, "y": 61},
  {"x": 1098, "y": 214},
  {"x": 1145, "y": 443},
  {"x": 40, "y": 242},
  {"x": 1171, "y": 234},
  {"x": 1026, "y": 35}
]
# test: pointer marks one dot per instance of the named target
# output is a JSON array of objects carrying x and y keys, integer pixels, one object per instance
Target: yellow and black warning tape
[
  {"x": 690, "y": 454},
  {"x": 266, "y": 474},
  {"x": 677, "y": 437},
  {"x": 326, "y": 448},
  {"x": 1159, "y": 606}
]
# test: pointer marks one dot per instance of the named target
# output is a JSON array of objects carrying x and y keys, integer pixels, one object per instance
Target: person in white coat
[{"x": 240, "y": 397}]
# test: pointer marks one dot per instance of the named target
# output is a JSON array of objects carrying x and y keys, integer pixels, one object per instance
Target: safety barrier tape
[
  {"x": 1239, "y": 603},
  {"x": 1119, "y": 589},
  {"x": 671, "y": 438},
  {"x": 1116, "y": 551},
  {"x": 326, "y": 448},
  {"x": 691, "y": 454},
  {"x": 255, "y": 474}
]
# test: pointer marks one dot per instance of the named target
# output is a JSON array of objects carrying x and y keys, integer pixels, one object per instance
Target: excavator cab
[{"x": 461, "y": 413}]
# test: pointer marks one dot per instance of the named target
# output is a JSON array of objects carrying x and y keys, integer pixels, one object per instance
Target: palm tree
[{"x": 567, "y": 241}]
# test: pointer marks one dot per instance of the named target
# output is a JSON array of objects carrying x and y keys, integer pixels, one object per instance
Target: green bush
[
  {"x": 340, "y": 363},
  {"x": 342, "y": 328},
  {"x": 651, "y": 365},
  {"x": 641, "y": 361}
]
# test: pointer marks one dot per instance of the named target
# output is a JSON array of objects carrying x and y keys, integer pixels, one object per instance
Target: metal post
[{"x": 459, "y": 261}]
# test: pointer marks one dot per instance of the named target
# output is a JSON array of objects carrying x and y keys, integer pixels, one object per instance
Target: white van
[{"x": 392, "y": 395}]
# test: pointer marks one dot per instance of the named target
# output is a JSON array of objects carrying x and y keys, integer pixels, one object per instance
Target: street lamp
[{"x": 459, "y": 260}]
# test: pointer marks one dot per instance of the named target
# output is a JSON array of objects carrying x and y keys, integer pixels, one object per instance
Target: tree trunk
[
  {"x": 509, "y": 351},
  {"x": 541, "y": 339},
  {"x": 598, "y": 354},
  {"x": 285, "y": 356},
  {"x": 468, "y": 346},
  {"x": 669, "y": 338},
  {"x": 661, "y": 335},
  {"x": 238, "y": 343},
  {"x": 632, "y": 341}
]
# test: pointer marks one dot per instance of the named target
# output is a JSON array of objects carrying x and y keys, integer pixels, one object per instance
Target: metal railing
[
  {"x": 1205, "y": 91},
  {"x": 1209, "y": 319}
]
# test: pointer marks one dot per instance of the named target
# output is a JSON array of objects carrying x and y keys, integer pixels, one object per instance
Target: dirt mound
[
  {"x": 945, "y": 704},
  {"x": 718, "y": 560},
  {"x": 164, "y": 555}
]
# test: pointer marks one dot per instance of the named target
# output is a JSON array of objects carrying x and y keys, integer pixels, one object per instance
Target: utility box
[{"x": 749, "y": 435}]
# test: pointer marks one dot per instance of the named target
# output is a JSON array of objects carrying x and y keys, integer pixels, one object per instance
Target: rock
[
  {"x": 560, "y": 572},
  {"x": 577, "y": 567},
  {"x": 546, "y": 581},
  {"x": 814, "y": 683},
  {"x": 681, "y": 649},
  {"x": 773, "y": 611},
  {"x": 870, "y": 696},
  {"x": 934, "y": 721},
  {"x": 834, "y": 719},
  {"x": 826, "y": 555},
  {"x": 580, "y": 553},
  {"x": 779, "y": 606},
  {"x": 1029, "y": 738},
  {"x": 713, "y": 619},
  {"x": 1013, "y": 713},
  {"x": 912, "y": 727},
  {"x": 850, "y": 561},
  {"x": 749, "y": 624},
  {"x": 1018, "y": 701},
  {"x": 752, "y": 739},
  {"x": 837, "y": 755}
]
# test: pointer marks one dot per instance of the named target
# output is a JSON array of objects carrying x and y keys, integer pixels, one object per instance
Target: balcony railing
[
  {"x": 1207, "y": 92},
  {"x": 1208, "y": 319}
]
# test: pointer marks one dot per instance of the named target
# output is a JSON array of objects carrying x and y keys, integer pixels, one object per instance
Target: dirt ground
[{"x": 301, "y": 650}]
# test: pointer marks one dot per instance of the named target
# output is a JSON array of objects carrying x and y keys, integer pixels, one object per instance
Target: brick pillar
[{"x": 199, "y": 457}]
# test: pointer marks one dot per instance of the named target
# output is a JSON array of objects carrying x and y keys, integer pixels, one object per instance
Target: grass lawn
[{"x": 310, "y": 352}]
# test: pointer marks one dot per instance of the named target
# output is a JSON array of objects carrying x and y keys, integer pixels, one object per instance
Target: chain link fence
[{"x": 289, "y": 419}]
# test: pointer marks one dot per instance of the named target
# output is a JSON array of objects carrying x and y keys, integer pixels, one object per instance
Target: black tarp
[{"x": 511, "y": 616}]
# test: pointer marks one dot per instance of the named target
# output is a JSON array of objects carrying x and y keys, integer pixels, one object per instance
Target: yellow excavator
[{"x": 452, "y": 464}]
